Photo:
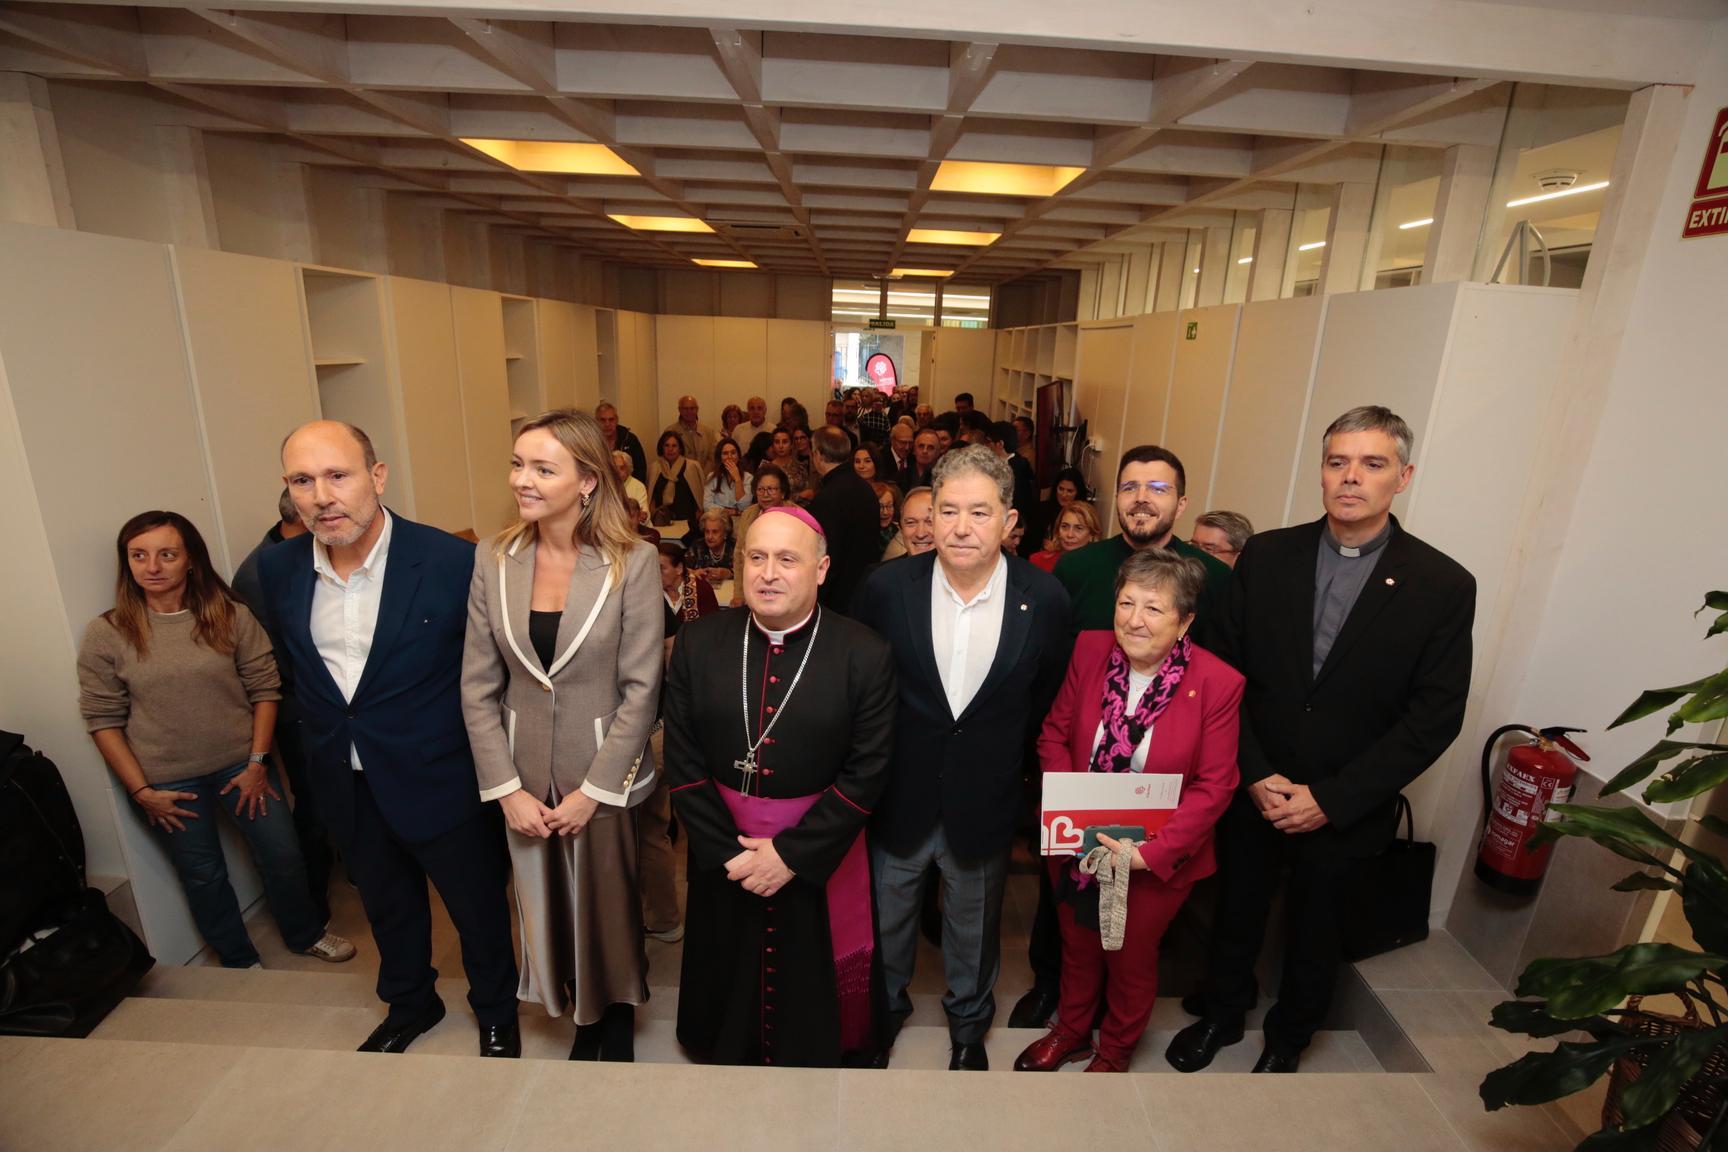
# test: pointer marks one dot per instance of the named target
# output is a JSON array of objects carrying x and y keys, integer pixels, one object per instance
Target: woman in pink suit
[{"x": 1141, "y": 698}]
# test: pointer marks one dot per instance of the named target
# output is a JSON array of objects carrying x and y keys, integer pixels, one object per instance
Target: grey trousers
[{"x": 971, "y": 931}]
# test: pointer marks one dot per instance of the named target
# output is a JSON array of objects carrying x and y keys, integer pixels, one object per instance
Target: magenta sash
[{"x": 850, "y": 928}]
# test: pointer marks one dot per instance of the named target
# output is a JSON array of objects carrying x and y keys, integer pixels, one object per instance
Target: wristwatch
[{"x": 257, "y": 757}]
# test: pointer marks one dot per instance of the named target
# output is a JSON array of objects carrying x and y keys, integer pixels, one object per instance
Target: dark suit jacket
[
  {"x": 1389, "y": 699},
  {"x": 845, "y": 506},
  {"x": 1195, "y": 739},
  {"x": 965, "y": 771},
  {"x": 406, "y": 715}
]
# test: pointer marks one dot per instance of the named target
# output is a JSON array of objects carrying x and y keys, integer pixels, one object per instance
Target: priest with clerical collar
[{"x": 779, "y": 724}]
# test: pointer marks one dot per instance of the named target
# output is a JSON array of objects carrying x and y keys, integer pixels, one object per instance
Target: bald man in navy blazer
[{"x": 369, "y": 612}]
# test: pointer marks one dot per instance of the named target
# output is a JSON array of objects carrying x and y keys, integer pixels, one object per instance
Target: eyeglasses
[
  {"x": 1156, "y": 487},
  {"x": 1215, "y": 549}
]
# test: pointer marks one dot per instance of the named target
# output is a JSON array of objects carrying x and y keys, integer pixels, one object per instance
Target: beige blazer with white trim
[{"x": 584, "y": 723}]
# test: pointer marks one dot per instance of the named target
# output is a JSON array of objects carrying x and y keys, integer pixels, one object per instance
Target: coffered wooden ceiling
[{"x": 805, "y": 152}]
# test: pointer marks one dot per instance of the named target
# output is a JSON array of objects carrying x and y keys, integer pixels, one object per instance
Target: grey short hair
[
  {"x": 1235, "y": 526},
  {"x": 978, "y": 459},
  {"x": 619, "y": 456},
  {"x": 715, "y": 514},
  {"x": 605, "y": 406},
  {"x": 1373, "y": 418},
  {"x": 368, "y": 453},
  {"x": 1182, "y": 576}
]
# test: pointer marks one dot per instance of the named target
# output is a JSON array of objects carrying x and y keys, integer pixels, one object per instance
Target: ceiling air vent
[{"x": 749, "y": 232}]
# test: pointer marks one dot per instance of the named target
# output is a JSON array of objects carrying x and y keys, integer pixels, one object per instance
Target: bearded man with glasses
[{"x": 1151, "y": 494}]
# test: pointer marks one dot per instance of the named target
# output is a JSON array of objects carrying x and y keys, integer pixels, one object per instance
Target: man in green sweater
[{"x": 1151, "y": 494}]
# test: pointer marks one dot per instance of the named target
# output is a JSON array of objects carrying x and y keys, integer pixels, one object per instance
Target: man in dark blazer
[
  {"x": 981, "y": 643},
  {"x": 845, "y": 505},
  {"x": 1354, "y": 637},
  {"x": 370, "y": 611}
]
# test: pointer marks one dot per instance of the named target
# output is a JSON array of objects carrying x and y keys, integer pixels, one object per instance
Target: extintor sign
[{"x": 1707, "y": 214}]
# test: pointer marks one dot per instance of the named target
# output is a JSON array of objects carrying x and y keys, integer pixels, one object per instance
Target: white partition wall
[
  {"x": 1199, "y": 381},
  {"x": 252, "y": 380},
  {"x": 1100, "y": 392},
  {"x": 1377, "y": 348},
  {"x": 959, "y": 360},
  {"x": 95, "y": 364},
  {"x": 740, "y": 367},
  {"x": 429, "y": 479},
  {"x": 685, "y": 363},
  {"x": 485, "y": 404},
  {"x": 800, "y": 364},
  {"x": 1261, "y": 450}
]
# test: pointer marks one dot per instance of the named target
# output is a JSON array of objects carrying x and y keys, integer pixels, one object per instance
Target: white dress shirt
[
  {"x": 1137, "y": 686},
  {"x": 345, "y": 614},
  {"x": 964, "y": 634}
]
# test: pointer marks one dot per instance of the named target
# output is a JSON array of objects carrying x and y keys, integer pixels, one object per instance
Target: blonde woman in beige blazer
[{"x": 560, "y": 684}]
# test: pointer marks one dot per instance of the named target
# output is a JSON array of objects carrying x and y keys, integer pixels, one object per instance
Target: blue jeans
[{"x": 197, "y": 856}]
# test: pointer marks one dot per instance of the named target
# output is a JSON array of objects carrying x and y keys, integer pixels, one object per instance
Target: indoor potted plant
[{"x": 1670, "y": 1074}]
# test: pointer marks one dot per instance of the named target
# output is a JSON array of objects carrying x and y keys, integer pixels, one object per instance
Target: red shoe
[
  {"x": 1051, "y": 1051},
  {"x": 1103, "y": 1063}
]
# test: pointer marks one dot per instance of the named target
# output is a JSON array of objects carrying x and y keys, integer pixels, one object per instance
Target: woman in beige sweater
[{"x": 179, "y": 690}]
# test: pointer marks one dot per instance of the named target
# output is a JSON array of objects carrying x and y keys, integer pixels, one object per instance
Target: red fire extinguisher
[{"x": 1533, "y": 776}]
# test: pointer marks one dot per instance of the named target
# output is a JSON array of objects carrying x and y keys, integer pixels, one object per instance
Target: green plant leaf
[
  {"x": 1543, "y": 1076},
  {"x": 1704, "y": 899},
  {"x": 1654, "y": 700},
  {"x": 1721, "y": 625},
  {"x": 1618, "y": 1140},
  {"x": 1644, "y": 765},
  {"x": 1653, "y": 1093},
  {"x": 1620, "y": 830},
  {"x": 1586, "y": 986},
  {"x": 1688, "y": 778},
  {"x": 1709, "y": 702},
  {"x": 1531, "y": 1018},
  {"x": 1644, "y": 882},
  {"x": 1716, "y": 600},
  {"x": 1714, "y": 824}
]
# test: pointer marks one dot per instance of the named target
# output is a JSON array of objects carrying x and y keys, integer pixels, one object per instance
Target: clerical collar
[
  {"x": 780, "y": 637},
  {"x": 1367, "y": 549}
]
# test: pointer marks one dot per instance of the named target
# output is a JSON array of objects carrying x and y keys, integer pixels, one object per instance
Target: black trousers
[
  {"x": 469, "y": 866},
  {"x": 1252, "y": 856},
  {"x": 1044, "y": 943}
]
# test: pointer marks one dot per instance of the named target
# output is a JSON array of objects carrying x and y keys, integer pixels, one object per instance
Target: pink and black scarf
[{"x": 1122, "y": 732}]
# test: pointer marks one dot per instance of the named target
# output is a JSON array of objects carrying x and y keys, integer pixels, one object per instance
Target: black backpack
[{"x": 65, "y": 959}]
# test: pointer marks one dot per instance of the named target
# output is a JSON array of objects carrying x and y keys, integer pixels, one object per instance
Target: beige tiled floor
[{"x": 180, "y": 1067}]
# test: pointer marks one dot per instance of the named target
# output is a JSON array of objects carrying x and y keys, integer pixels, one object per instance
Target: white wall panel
[
  {"x": 1261, "y": 450},
  {"x": 1197, "y": 387}
]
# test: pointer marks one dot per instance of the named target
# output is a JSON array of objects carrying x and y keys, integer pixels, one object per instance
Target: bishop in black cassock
[{"x": 789, "y": 977}]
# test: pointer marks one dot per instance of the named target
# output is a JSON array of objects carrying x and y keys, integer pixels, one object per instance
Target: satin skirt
[{"x": 581, "y": 918}]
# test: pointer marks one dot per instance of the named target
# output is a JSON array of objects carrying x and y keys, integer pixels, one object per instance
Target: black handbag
[{"x": 1388, "y": 895}]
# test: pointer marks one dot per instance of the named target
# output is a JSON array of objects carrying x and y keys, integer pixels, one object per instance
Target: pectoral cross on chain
[{"x": 746, "y": 772}]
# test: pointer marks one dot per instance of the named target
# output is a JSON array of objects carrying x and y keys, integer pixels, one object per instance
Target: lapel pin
[
  {"x": 1390, "y": 582},
  {"x": 1023, "y": 608},
  {"x": 1190, "y": 691}
]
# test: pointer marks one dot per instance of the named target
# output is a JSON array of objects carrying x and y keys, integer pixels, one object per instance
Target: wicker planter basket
[{"x": 1682, "y": 1130}]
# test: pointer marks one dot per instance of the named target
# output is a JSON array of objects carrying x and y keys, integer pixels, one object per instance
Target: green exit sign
[
  {"x": 1193, "y": 329},
  {"x": 879, "y": 322}
]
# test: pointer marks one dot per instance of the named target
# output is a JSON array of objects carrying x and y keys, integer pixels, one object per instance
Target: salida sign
[{"x": 1708, "y": 213}]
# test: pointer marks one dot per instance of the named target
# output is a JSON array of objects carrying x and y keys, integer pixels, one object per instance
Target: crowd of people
[{"x": 918, "y": 630}]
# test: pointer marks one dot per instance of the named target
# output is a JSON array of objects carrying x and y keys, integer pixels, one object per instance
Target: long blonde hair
[{"x": 604, "y": 522}]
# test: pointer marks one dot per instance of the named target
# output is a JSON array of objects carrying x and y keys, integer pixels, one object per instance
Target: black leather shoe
[
  {"x": 1194, "y": 1047},
  {"x": 968, "y": 1058},
  {"x": 1034, "y": 1009},
  {"x": 1193, "y": 1004},
  {"x": 395, "y": 1036},
  {"x": 1277, "y": 1060},
  {"x": 879, "y": 1058},
  {"x": 503, "y": 1041}
]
